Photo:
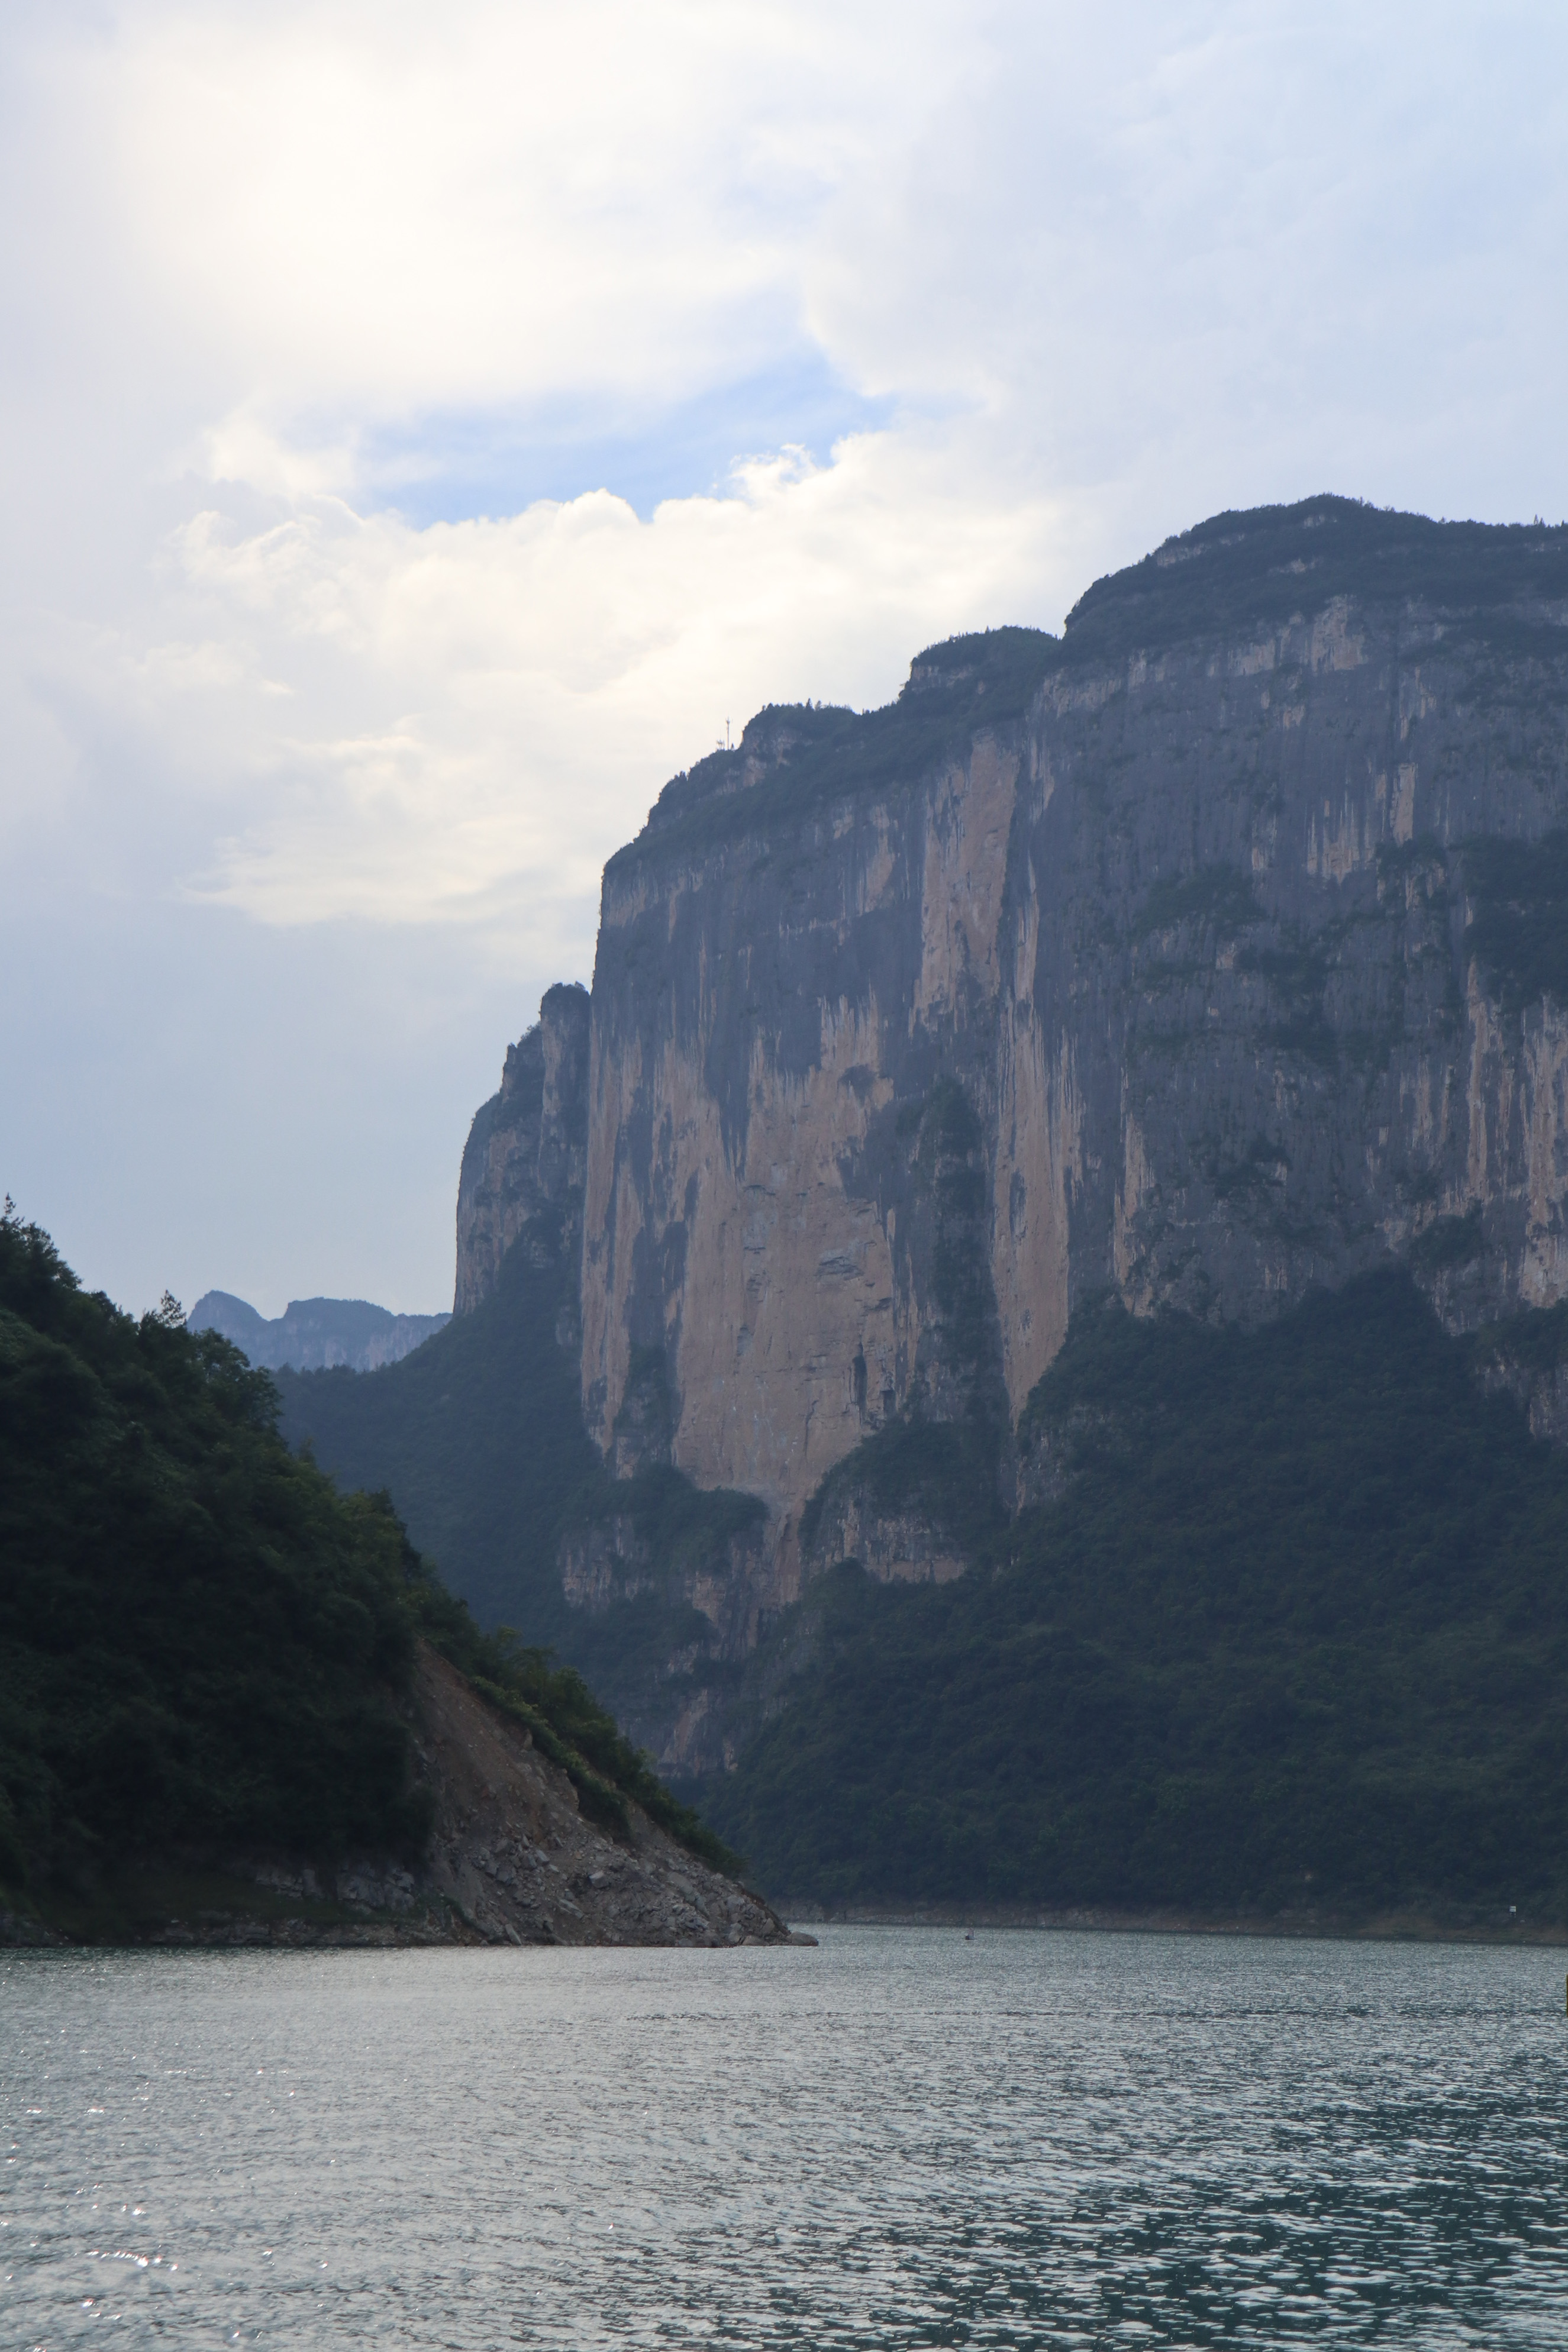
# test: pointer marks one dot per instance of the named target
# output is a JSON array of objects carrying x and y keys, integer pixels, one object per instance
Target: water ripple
[{"x": 901, "y": 2139}]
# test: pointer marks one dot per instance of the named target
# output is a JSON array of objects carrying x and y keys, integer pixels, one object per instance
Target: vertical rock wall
[
  {"x": 527, "y": 1150},
  {"x": 1188, "y": 927}
]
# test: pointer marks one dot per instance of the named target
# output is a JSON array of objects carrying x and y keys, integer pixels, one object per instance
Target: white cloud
[
  {"x": 438, "y": 723},
  {"x": 387, "y": 208}
]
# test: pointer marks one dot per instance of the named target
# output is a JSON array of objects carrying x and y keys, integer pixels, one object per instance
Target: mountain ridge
[{"x": 313, "y": 1334}]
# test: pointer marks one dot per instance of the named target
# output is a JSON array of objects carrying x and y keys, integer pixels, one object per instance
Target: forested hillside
[
  {"x": 205, "y": 1649},
  {"x": 1293, "y": 1637},
  {"x": 1290, "y": 1635},
  {"x": 479, "y": 1436}
]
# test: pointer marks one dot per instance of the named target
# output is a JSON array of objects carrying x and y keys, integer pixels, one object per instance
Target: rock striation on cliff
[{"x": 1207, "y": 953}]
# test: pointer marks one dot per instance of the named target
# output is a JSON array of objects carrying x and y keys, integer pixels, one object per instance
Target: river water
[{"x": 900, "y": 2138}]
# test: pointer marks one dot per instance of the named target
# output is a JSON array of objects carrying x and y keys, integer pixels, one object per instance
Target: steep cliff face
[
  {"x": 527, "y": 1147},
  {"x": 1207, "y": 953}
]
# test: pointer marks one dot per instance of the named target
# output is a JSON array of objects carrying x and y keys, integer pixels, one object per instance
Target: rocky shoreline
[
  {"x": 514, "y": 1855},
  {"x": 511, "y": 1859}
]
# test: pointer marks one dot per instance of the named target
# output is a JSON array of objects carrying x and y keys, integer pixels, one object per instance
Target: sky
[{"x": 423, "y": 429}]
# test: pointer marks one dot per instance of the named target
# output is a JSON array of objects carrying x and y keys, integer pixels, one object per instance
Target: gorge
[{"x": 1205, "y": 958}]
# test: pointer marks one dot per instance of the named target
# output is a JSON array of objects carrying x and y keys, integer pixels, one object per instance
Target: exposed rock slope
[{"x": 513, "y": 1852}]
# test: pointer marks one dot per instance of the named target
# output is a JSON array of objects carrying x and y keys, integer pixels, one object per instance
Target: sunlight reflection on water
[{"x": 899, "y": 2139}]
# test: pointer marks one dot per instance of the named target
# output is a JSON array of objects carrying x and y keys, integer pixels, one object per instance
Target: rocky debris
[
  {"x": 244, "y": 1924},
  {"x": 512, "y": 1851},
  {"x": 18, "y": 1928},
  {"x": 239, "y": 1902}
]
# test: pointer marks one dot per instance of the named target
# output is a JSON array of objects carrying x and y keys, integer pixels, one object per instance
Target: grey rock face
[
  {"x": 527, "y": 1148},
  {"x": 1165, "y": 957},
  {"x": 1526, "y": 1356}
]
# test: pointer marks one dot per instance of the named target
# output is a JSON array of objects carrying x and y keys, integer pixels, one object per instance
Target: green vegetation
[
  {"x": 1220, "y": 897},
  {"x": 943, "y": 1471},
  {"x": 1237, "y": 571},
  {"x": 1535, "y": 1340},
  {"x": 953, "y": 1162},
  {"x": 1294, "y": 1637},
  {"x": 1234, "y": 573},
  {"x": 556, "y": 1705},
  {"x": 1519, "y": 931},
  {"x": 947, "y": 1471},
  {"x": 955, "y": 688},
  {"x": 478, "y": 1436},
  {"x": 1449, "y": 1241},
  {"x": 204, "y": 1645},
  {"x": 199, "y": 1639},
  {"x": 680, "y": 1526}
]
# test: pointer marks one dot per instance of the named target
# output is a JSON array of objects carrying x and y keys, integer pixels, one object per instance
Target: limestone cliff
[
  {"x": 525, "y": 1152},
  {"x": 1207, "y": 953}
]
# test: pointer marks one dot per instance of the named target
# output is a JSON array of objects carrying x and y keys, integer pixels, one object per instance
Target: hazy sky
[{"x": 423, "y": 428}]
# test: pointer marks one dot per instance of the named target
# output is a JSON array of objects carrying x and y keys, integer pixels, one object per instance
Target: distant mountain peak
[{"x": 314, "y": 1334}]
